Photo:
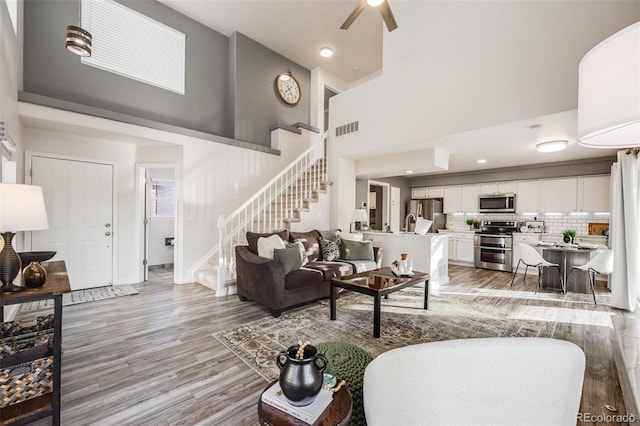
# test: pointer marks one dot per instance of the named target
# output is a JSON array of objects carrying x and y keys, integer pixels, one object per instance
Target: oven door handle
[{"x": 495, "y": 248}]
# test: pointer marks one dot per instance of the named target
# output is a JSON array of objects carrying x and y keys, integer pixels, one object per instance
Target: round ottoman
[{"x": 348, "y": 363}]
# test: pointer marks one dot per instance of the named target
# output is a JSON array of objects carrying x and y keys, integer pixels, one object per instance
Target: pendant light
[{"x": 78, "y": 40}]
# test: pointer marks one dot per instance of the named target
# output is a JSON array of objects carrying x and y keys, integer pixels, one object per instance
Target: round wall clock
[{"x": 287, "y": 88}]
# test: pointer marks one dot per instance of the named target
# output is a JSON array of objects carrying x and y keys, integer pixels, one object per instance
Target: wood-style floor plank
[{"x": 151, "y": 359}]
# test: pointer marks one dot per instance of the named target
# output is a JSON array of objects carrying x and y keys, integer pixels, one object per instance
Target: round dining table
[{"x": 567, "y": 255}]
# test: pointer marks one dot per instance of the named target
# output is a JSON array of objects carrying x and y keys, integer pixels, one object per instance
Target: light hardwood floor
[{"x": 151, "y": 358}]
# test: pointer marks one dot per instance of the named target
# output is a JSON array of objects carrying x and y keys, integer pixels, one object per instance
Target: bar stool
[
  {"x": 530, "y": 257},
  {"x": 601, "y": 263}
]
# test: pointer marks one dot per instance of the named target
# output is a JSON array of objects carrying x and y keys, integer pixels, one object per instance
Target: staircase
[{"x": 279, "y": 203}]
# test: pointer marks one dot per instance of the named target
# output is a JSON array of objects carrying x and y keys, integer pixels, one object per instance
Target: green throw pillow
[
  {"x": 356, "y": 250},
  {"x": 289, "y": 259}
]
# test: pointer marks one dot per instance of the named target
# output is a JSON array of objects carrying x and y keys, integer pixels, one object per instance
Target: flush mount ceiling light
[
  {"x": 608, "y": 88},
  {"x": 326, "y": 52},
  {"x": 552, "y": 146},
  {"x": 78, "y": 40}
]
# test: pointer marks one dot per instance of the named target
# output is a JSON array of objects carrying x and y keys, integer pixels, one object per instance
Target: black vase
[
  {"x": 567, "y": 238},
  {"x": 34, "y": 275},
  {"x": 301, "y": 379}
]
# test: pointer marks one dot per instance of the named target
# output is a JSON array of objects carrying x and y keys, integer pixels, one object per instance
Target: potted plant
[
  {"x": 470, "y": 223},
  {"x": 569, "y": 235}
]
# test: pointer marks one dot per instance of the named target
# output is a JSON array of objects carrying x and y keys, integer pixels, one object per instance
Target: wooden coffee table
[
  {"x": 377, "y": 283},
  {"x": 337, "y": 413}
]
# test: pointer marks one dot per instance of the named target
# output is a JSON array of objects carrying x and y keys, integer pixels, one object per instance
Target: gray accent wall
[
  {"x": 594, "y": 166},
  {"x": 229, "y": 84}
]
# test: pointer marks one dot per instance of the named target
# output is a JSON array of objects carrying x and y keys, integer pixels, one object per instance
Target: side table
[{"x": 337, "y": 413}]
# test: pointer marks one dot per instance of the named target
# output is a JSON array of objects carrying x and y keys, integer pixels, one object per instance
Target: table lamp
[
  {"x": 21, "y": 209},
  {"x": 359, "y": 216}
]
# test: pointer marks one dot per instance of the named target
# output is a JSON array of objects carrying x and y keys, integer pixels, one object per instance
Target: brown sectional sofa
[{"x": 262, "y": 280}]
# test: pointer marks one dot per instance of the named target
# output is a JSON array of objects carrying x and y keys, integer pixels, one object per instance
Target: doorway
[
  {"x": 159, "y": 222},
  {"x": 378, "y": 205},
  {"x": 79, "y": 198}
]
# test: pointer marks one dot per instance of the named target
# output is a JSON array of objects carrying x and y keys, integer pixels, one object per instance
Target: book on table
[{"x": 308, "y": 413}]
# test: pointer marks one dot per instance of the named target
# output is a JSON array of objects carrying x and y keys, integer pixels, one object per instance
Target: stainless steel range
[{"x": 494, "y": 245}]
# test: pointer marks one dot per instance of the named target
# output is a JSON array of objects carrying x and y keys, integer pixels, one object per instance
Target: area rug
[
  {"x": 403, "y": 322},
  {"x": 80, "y": 296}
]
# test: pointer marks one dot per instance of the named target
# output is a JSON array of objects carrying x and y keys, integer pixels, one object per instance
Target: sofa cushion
[
  {"x": 252, "y": 238},
  {"x": 289, "y": 259},
  {"x": 331, "y": 269},
  {"x": 311, "y": 242},
  {"x": 352, "y": 236},
  {"x": 330, "y": 250},
  {"x": 303, "y": 277},
  {"x": 362, "y": 265},
  {"x": 266, "y": 246},
  {"x": 356, "y": 250}
]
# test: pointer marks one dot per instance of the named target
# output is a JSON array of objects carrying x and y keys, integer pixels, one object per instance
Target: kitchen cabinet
[
  {"x": 594, "y": 193},
  {"x": 560, "y": 195},
  {"x": 498, "y": 188},
  {"x": 427, "y": 192},
  {"x": 461, "y": 199},
  {"x": 461, "y": 247},
  {"x": 528, "y": 196}
]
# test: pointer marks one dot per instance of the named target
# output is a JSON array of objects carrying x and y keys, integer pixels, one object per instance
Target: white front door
[{"x": 79, "y": 200}]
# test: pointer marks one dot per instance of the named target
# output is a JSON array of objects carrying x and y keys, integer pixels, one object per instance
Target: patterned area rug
[
  {"x": 80, "y": 296},
  {"x": 403, "y": 322}
]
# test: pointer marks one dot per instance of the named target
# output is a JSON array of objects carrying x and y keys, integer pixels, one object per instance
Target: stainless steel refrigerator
[{"x": 430, "y": 209}]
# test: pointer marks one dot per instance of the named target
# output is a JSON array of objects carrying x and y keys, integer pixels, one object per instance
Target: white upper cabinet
[
  {"x": 469, "y": 198},
  {"x": 498, "y": 188},
  {"x": 418, "y": 193},
  {"x": 427, "y": 192},
  {"x": 594, "y": 193},
  {"x": 528, "y": 196},
  {"x": 560, "y": 195},
  {"x": 451, "y": 203}
]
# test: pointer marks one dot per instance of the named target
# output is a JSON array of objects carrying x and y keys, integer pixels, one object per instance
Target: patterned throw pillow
[
  {"x": 303, "y": 253},
  {"x": 330, "y": 249}
]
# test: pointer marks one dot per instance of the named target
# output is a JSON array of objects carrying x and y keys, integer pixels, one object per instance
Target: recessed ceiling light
[
  {"x": 409, "y": 172},
  {"x": 374, "y": 2},
  {"x": 326, "y": 52},
  {"x": 482, "y": 161},
  {"x": 552, "y": 146}
]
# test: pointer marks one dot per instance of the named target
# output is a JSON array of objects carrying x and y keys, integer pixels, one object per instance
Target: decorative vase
[
  {"x": 301, "y": 379},
  {"x": 567, "y": 238},
  {"x": 34, "y": 275}
]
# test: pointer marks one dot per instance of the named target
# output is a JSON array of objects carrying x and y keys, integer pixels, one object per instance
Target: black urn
[{"x": 301, "y": 374}]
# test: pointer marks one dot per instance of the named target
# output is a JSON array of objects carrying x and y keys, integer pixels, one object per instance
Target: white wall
[
  {"x": 212, "y": 179},
  {"x": 159, "y": 229}
]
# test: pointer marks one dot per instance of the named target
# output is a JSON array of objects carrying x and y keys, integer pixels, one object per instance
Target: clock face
[{"x": 288, "y": 88}]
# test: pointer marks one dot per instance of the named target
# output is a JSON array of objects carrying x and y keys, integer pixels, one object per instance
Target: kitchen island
[{"x": 429, "y": 252}]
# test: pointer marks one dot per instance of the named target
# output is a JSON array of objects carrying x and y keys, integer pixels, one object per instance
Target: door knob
[{"x": 107, "y": 233}]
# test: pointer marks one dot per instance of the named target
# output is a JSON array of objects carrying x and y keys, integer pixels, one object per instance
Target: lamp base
[{"x": 10, "y": 289}]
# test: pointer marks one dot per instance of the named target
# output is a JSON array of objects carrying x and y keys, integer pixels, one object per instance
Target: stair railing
[{"x": 268, "y": 209}]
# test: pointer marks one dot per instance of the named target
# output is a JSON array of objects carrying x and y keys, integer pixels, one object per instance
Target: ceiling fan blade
[
  {"x": 356, "y": 12},
  {"x": 387, "y": 16}
]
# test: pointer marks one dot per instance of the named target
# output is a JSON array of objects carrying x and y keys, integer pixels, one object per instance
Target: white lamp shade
[
  {"x": 609, "y": 92},
  {"x": 359, "y": 215},
  {"x": 22, "y": 208}
]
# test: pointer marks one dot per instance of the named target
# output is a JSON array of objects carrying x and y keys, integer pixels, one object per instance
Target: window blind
[{"x": 133, "y": 45}]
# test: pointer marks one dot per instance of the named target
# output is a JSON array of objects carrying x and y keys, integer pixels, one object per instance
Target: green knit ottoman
[{"x": 348, "y": 362}]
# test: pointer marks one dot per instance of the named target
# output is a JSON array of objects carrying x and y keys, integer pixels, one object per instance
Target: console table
[{"x": 47, "y": 405}]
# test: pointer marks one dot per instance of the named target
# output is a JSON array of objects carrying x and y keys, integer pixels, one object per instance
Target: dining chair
[
  {"x": 530, "y": 257},
  {"x": 601, "y": 263}
]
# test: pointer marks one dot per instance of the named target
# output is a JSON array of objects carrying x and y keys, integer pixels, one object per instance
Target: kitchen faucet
[{"x": 406, "y": 221}]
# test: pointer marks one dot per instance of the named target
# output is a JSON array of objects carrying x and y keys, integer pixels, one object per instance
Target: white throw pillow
[
  {"x": 356, "y": 236},
  {"x": 266, "y": 245}
]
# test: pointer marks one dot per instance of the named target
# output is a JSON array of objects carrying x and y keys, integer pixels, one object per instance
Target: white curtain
[{"x": 624, "y": 229}]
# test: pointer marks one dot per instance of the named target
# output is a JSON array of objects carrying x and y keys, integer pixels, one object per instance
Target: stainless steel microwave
[{"x": 497, "y": 203}]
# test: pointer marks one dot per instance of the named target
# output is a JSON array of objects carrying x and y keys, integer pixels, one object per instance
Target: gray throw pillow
[
  {"x": 356, "y": 250},
  {"x": 330, "y": 250},
  {"x": 289, "y": 259},
  {"x": 303, "y": 253}
]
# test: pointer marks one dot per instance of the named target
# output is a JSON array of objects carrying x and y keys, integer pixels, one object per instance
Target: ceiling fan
[{"x": 385, "y": 11}]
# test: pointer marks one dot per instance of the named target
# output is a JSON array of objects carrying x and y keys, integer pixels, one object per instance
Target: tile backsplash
[{"x": 554, "y": 224}]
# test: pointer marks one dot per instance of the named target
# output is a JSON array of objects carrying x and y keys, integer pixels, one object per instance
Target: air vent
[
  {"x": 345, "y": 129},
  {"x": 3, "y": 130}
]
